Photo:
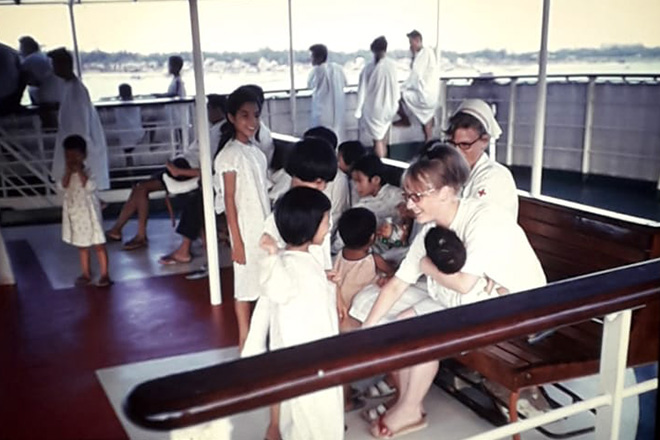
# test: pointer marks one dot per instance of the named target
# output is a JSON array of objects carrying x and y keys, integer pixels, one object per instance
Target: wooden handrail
[{"x": 202, "y": 395}]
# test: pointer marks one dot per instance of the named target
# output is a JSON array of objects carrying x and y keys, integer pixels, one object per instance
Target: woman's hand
[
  {"x": 238, "y": 252},
  {"x": 173, "y": 170},
  {"x": 268, "y": 243}
]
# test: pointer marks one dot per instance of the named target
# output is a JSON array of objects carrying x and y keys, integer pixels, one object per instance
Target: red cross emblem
[{"x": 482, "y": 192}]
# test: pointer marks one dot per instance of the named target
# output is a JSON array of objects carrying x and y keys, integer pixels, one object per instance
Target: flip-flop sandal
[
  {"x": 370, "y": 415},
  {"x": 169, "y": 260},
  {"x": 384, "y": 431},
  {"x": 379, "y": 390},
  {"x": 82, "y": 281},
  {"x": 135, "y": 243},
  {"x": 111, "y": 237},
  {"x": 103, "y": 282}
]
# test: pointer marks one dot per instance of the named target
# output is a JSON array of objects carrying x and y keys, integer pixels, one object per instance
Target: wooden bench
[{"x": 572, "y": 240}]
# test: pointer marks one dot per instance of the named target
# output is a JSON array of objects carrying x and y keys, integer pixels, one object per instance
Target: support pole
[
  {"x": 511, "y": 126},
  {"x": 76, "y": 51},
  {"x": 437, "y": 32},
  {"x": 588, "y": 126},
  {"x": 292, "y": 92},
  {"x": 202, "y": 126},
  {"x": 539, "y": 128}
]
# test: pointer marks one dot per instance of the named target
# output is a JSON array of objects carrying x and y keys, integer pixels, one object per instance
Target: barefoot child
[
  {"x": 81, "y": 211},
  {"x": 302, "y": 308}
]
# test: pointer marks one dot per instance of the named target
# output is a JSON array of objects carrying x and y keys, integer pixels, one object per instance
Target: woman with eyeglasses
[
  {"x": 470, "y": 130},
  {"x": 496, "y": 248}
]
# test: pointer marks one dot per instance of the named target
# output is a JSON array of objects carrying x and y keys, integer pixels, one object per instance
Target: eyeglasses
[
  {"x": 416, "y": 197},
  {"x": 463, "y": 145}
]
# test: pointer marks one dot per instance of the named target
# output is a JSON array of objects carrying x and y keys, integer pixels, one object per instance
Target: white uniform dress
[
  {"x": 383, "y": 204},
  {"x": 339, "y": 193},
  {"x": 82, "y": 222},
  {"x": 252, "y": 205},
  {"x": 302, "y": 309},
  {"x": 378, "y": 97},
  {"x": 492, "y": 182},
  {"x": 327, "y": 82},
  {"x": 420, "y": 90},
  {"x": 265, "y": 142},
  {"x": 78, "y": 116},
  {"x": 496, "y": 247}
]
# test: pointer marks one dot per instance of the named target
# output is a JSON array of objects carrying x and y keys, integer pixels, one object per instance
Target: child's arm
[
  {"x": 383, "y": 266},
  {"x": 460, "y": 282},
  {"x": 185, "y": 172},
  {"x": 237, "y": 247},
  {"x": 67, "y": 177}
]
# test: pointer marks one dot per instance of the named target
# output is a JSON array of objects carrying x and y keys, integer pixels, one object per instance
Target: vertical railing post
[
  {"x": 511, "y": 124},
  {"x": 588, "y": 126},
  {"x": 292, "y": 93},
  {"x": 613, "y": 359},
  {"x": 443, "y": 104},
  {"x": 76, "y": 51}
]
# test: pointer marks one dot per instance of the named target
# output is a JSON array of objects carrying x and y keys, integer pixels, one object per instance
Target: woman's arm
[
  {"x": 185, "y": 172},
  {"x": 237, "y": 248},
  {"x": 460, "y": 282},
  {"x": 389, "y": 295}
]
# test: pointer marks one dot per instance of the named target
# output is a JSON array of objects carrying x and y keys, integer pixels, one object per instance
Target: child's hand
[
  {"x": 332, "y": 276},
  {"x": 238, "y": 252},
  {"x": 342, "y": 310},
  {"x": 382, "y": 280},
  {"x": 427, "y": 267},
  {"x": 268, "y": 243},
  {"x": 404, "y": 212}
]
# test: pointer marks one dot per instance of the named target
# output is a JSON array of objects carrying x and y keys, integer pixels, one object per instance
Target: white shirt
[
  {"x": 420, "y": 91},
  {"x": 492, "y": 182},
  {"x": 495, "y": 246},
  {"x": 383, "y": 204},
  {"x": 265, "y": 142},
  {"x": 338, "y": 191},
  {"x": 378, "y": 97},
  {"x": 327, "y": 82}
]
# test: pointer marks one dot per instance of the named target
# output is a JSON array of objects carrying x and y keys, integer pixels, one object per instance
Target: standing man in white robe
[
  {"x": 77, "y": 115},
  {"x": 378, "y": 96},
  {"x": 419, "y": 93},
  {"x": 327, "y": 81}
]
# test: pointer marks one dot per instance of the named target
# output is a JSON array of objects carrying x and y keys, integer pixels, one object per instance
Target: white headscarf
[{"x": 482, "y": 111}]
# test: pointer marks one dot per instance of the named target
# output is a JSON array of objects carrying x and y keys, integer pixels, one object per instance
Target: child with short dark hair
[
  {"x": 356, "y": 266},
  {"x": 81, "y": 211},
  {"x": 302, "y": 309}
]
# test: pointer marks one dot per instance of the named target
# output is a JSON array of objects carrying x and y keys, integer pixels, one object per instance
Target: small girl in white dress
[{"x": 81, "y": 211}]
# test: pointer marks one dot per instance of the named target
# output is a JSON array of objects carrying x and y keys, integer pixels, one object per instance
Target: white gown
[
  {"x": 252, "y": 205},
  {"x": 327, "y": 82},
  {"x": 82, "y": 222},
  {"x": 77, "y": 115},
  {"x": 378, "y": 97},
  {"x": 302, "y": 309},
  {"x": 492, "y": 182},
  {"x": 420, "y": 90}
]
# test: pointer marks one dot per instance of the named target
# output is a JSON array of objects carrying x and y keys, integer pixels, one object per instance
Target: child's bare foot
[
  {"x": 104, "y": 281},
  {"x": 83, "y": 280}
]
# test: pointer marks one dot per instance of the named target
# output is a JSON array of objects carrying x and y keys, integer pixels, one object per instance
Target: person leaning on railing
[{"x": 496, "y": 248}]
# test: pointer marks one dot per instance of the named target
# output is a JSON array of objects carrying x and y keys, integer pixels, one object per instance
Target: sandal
[
  {"x": 82, "y": 281},
  {"x": 170, "y": 260},
  {"x": 103, "y": 282},
  {"x": 379, "y": 390},
  {"x": 135, "y": 243},
  {"x": 110, "y": 237}
]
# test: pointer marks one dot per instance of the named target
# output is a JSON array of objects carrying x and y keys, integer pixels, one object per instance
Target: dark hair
[
  {"x": 176, "y": 62},
  {"x": 75, "y": 142},
  {"x": 414, "y": 34},
  {"x": 379, "y": 45},
  {"x": 258, "y": 92},
  {"x": 351, "y": 151},
  {"x": 371, "y": 166},
  {"x": 235, "y": 101},
  {"x": 125, "y": 91},
  {"x": 29, "y": 43},
  {"x": 445, "y": 167},
  {"x": 63, "y": 56},
  {"x": 217, "y": 101},
  {"x": 312, "y": 159},
  {"x": 356, "y": 226},
  {"x": 319, "y": 52},
  {"x": 445, "y": 249},
  {"x": 322, "y": 133},
  {"x": 465, "y": 120},
  {"x": 428, "y": 146},
  {"x": 298, "y": 214}
]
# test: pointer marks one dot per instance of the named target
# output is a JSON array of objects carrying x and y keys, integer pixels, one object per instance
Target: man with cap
[
  {"x": 470, "y": 130},
  {"x": 419, "y": 93}
]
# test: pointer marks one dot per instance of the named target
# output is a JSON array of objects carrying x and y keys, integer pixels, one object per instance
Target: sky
[{"x": 343, "y": 25}]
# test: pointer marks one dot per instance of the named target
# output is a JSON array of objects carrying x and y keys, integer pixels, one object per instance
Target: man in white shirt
[
  {"x": 378, "y": 96},
  {"x": 419, "y": 93},
  {"x": 327, "y": 81}
]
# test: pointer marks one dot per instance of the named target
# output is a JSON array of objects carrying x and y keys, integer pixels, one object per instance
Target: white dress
[
  {"x": 77, "y": 115},
  {"x": 327, "y": 82},
  {"x": 378, "y": 97},
  {"x": 302, "y": 309},
  {"x": 420, "y": 90},
  {"x": 82, "y": 222},
  {"x": 252, "y": 205},
  {"x": 492, "y": 182}
]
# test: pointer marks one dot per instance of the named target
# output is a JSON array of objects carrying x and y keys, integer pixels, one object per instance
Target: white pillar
[
  {"x": 6, "y": 273},
  {"x": 613, "y": 359},
  {"x": 437, "y": 32},
  {"x": 292, "y": 92},
  {"x": 76, "y": 52},
  {"x": 202, "y": 126},
  {"x": 539, "y": 129},
  {"x": 511, "y": 126},
  {"x": 588, "y": 126}
]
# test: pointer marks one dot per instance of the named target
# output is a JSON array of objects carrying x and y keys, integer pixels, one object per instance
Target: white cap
[{"x": 482, "y": 111}]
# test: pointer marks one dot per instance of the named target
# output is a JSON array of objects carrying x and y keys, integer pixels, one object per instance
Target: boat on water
[{"x": 71, "y": 356}]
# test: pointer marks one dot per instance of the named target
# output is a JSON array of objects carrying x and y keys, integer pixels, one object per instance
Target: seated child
[
  {"x": 384, "y": 200},
  {"x": 356, "y": 266},
  {"x": 302, "y": 309}
]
